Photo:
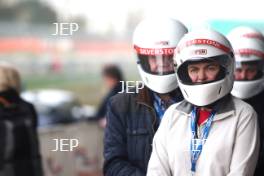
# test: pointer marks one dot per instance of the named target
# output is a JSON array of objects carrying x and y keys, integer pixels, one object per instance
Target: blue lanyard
[
  {"x": 197, "y": 144},
  {"x": 159, "y": 109},
  {"x": 159, "y": 105}
]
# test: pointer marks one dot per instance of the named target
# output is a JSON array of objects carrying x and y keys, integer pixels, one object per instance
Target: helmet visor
[
  {"x": 249, "y": 70},
  {"x": 156, "y": 61},
  {"x": 199, "y": 70}
]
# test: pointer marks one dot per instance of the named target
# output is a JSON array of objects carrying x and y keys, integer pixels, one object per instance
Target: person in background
[
  {"x": 133, "y": 118},
  {"x": 18, "y": 128},
  {"x": 248, "y": 45},
  {"x": 210, "y": 133},
  {"x": 112, "y": 77}
]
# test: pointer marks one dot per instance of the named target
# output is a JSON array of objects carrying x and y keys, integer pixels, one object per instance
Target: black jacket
[
  {"x": 101, "y": 112},
  {"x": 131, "y": 125},
  {"x": 257, "y": 102},
  {"x": 19, "y": 148}
]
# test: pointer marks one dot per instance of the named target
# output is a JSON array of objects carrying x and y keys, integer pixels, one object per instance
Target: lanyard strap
[
  {"x": 160, "y": 106},
  {"x": 159, "y": 109},
  {"x": 196, "y": 145}
]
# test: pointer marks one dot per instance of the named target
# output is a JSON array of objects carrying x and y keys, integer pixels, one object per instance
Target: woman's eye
[
  {"x": 193, "y": 70},
  {"x": 212, "y": 68}
]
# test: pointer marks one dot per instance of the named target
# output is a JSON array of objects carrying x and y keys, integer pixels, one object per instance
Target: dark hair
[{"x": 113, "y": 71}]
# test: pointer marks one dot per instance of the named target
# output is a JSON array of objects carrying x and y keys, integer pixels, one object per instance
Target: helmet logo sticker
[
  {"x": 200, "y": 52},
  {"x": 163, "y": 43}
]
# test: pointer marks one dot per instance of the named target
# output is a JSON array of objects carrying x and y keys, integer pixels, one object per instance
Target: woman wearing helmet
[
  {"x": 248, "y": 45},
  {"x": 211, "y": 133},
  {"x": 132, "y": 119}
]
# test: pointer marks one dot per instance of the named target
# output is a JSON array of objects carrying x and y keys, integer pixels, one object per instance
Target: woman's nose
[{"x": 201, "y": 76}]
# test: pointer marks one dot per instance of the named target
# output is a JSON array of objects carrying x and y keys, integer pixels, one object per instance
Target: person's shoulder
[
  {"x": 176, "y": 111},
  {"x": 243, "y": 108},
  {"x": 171, "y": 111},
  {"x": 173, "y": 107},
  {"x": 130, "y": 93},
  {"x": 27, "y": 106},
  {"x": 241, "y": 104},
  {"x": 121, "y": 97},
  {"x": 172, "y": 114},
  {"x": 23, "y": 102},
  {"x": 122, "y": 100}
]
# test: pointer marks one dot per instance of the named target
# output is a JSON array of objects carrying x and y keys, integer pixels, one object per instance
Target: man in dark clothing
[
  {"x": 257, "y": 102},
  {"x": 131, "y": 124},
  {"x": 112, "y": 76},
  {"x": 133, "y": 118},
  {"x": 249, "y": 77}
]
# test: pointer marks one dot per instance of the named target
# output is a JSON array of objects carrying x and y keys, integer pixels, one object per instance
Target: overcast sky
[{"x": 102, "y": 13}]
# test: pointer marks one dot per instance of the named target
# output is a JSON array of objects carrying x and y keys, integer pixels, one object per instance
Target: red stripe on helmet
[
  {"x": 247, "y": 51},
  {"x": 204, "y": 42},
  {"x": 254, "y": 35},
  {"x": 154, "y": 51}
]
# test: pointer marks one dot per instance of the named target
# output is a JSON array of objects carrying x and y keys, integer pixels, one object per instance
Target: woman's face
[{"x": 203, "y": 71}]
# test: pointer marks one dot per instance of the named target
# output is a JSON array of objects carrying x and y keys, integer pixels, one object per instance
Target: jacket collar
[
  {"x": 9, "y": 98},
  {"x": 144, "y": 97},
  {"x": 225, "y": 106}
]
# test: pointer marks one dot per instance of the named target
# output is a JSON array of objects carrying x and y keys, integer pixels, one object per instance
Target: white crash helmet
[
  {"x": 247, "y": 32},
  {"x": 205, "y": 45},
  {"x": 154, "y": 42},
  {"x": 249, "y": 51}
]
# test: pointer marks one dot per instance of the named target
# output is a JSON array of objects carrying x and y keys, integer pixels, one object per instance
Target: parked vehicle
[{"x": 56, "y": 106}]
